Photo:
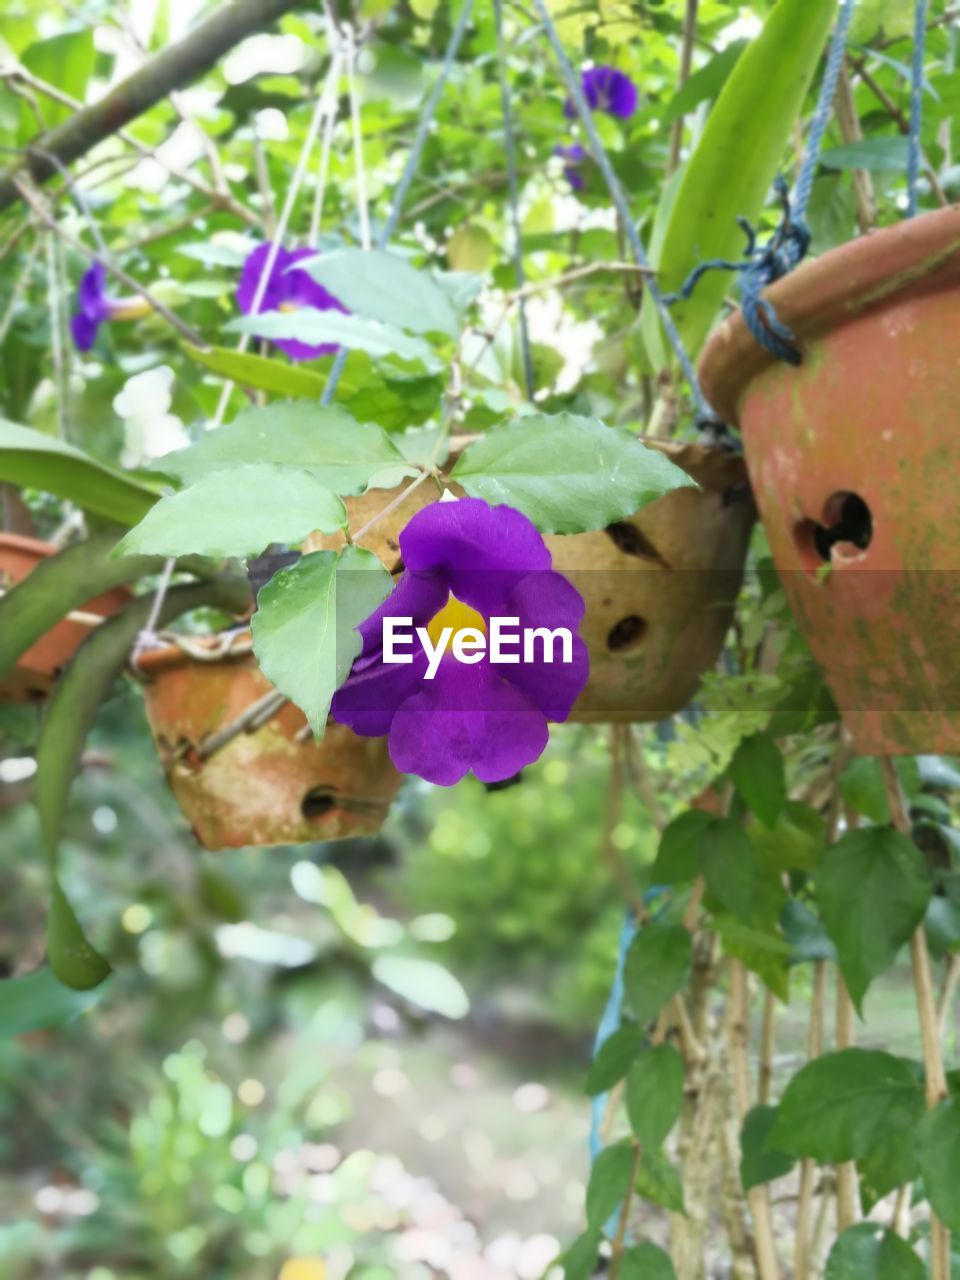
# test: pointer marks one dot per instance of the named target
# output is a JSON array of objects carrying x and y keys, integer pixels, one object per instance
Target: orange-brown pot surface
[
  {"x": 854, "y": 462},
  {"x": 659, "y": 587},
  {"x": 268, "y": 786},
  {"x": 34, "y": 675}
]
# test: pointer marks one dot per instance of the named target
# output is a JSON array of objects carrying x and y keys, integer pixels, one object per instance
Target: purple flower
[
  {"x": 573, "y": 156},
  {"x": 466, "y": 565},
  {"x": 94, "y": 306},
  {"x": 287, "y": 290},
  {"x": 606, "y": 89}
]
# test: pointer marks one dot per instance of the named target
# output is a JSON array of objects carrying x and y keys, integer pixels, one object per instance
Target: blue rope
[
  {"x": 821, "y": 117},
  {"x": 916, "y": 104},
  {"x": 572, "y": 81},
  {"x": 409, "y": 172},
  {"x": 514, "y": 191}
]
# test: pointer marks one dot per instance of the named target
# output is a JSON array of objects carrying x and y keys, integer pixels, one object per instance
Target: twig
[
  {"x": 613, "y": 812},
  {"x": 616, "y": 1256},
  {"x": 808, "y": 1169},
  {"x": 392, "y": 505},
  {"x": 851, "y": 132},
  {"x": 947, "y": 992},
  {"x": 848, "y": 1186},
  {"x": 32, "y": 199},
  {"x": 767, "y": 1036},
  {"x": 686, "y": 62},
  {"x": 254, "y": 717},
  {"x": 936, "y": 1080},
  {"x": 173, "y": 68}
]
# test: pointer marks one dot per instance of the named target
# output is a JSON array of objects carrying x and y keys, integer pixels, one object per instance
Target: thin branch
[
  {"x": 173, "y": 68},
  {"x": 851, "y": 132},
  {"x": 686, "y": 63},
  {"x": 803, "y": 1249}
]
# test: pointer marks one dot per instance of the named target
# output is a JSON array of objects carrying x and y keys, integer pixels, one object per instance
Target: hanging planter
[
  {"x": 853, "y": 458},
  {"x": 659, "y": 587},
  {"x": 34, "y": 675},
  {"x": 271, "y": 783}
]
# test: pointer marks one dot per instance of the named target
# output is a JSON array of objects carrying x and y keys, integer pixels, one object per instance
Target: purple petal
[
  {"x": 250, "y": 277},
  {"x": 84, "y": 331},
  {"x": 295, "y": 288},
  {"x": 91, "y": 294},
  {"x": 606, "y": 89},
  {"x": 574, "y": 155},
  {"x": 481, "y": 551},
  {"x": 466, "y": 719},
  {"x": 549, "y": 600}
]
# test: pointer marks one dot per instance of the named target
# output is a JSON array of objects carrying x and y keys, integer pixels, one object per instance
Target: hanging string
[
  {"x": 788, "y": 245},
  {"x": 513, "y": 186},
  {"x": 617, "y": 194},
  {"x": 916, "y": 104},
  {"x": 409, "y": 172},
  {"x": 323, "y": 168}
]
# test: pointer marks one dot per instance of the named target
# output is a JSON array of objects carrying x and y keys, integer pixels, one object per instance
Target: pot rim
[
  {"x": 22, "y": 542},
  {"x": 187, "y": 653},
  {"x": 918, "y": 255}
]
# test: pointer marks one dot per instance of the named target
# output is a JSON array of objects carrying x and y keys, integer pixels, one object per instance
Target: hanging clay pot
[
  {"x": 34, "y": 675},
  {"x": 659, "y": 587},
  {"x": 853, "y": 457},
  {"x": 271, "y": 784}
]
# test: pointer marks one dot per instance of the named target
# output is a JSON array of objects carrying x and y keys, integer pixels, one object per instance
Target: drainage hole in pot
[
  {"x": 318, "y": 802},
  {"x": 846, "y": 532},
  {"x": 628, "y": 633},
  {"x": 632, "y": 541}
]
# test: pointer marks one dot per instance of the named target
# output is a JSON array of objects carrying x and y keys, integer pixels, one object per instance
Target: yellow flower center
[
  {"x": 459, "y": 617},
  {"x": 289, "y": 306}
]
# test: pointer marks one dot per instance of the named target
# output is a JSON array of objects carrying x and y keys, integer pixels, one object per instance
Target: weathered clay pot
[
  {"x": 853, "y": 457},
  {"x": 266, "y": 786},
  {"x": 659, "y": 587},
  {"x": 33, "y": 677}
]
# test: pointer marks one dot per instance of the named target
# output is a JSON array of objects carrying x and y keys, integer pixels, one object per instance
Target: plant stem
[
  {"x": 851, "y": 132},
  {"x": 616, "y": 1257},
  {"x": 936, "y": 1080},
  {"x": 686, "y": 63},
  {"x": 808, "y": 1167},
  {"x": 848, "y": 1187}
]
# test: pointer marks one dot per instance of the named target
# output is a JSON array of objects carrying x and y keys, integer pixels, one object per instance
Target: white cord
[
  {"x": 361, "y": 175},
  {"x": 324, "y": 165}
]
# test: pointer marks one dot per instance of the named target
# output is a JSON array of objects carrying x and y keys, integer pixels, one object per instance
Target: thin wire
[
  {"x": 514, "y": 191},
  {"x": 148, "y": 635},
  {"x": 324, "y": 166},
  {"x": 56, "y": 334},
  {"x": 916, "y": 105},
  {"x": 409, "y": 171},
  {"x": 360, "y": 173},
  {"x": 622, "y": 206},
  {"x": 821, "y": 116}
]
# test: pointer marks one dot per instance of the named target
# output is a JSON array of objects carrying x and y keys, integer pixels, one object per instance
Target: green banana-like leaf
[
  {"x": 69, "y": 715},
  {"x": 33, "y": 460},
  {"x": 63, "y": 582},
  {"x": 738, "y": 156},
  {"x": 259, "y": 372}
]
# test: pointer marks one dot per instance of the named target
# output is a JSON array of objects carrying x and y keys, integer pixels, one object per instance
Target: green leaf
[
  {"x": 678, "y": 858},
  {"x": 58, "y": 584},
  {"x": 609, "y": 1182},
  {"x": 659, "y": 1182},
  {"x": 657, "y": 967},
  {"x": 613, "y": 1059},
  {"x": 380, "y": 286},
  {"x": 873, "y": 889},
  {"x": 72, "y": 958},
  {"x": 304, "y": 629},
  {"x": 33, "y": 460},
  {"x": 646, "y": 1262},
  {"x": 758, "y": 774},
  {"x": 885, "y": 155},
  {"x": 342, "y": 453},
  {"x": 842, "y": 1105},
  {"x": 281, "y": 504},
  {"x": 862, "y": 786},
  {"x": 736, "y": 875},
  {"x": 317, "y": 327},
  {"x": 890, "y": 1164},
  {"x": 758, "y": 1162},
  {"x": 213, "y": 255},
  {"x": 705, "y": 83},
  {"x": 580, "y": 1260},
  {"x": 737, "y": 156},
  {"x": 65, "y": 61},
  {"x": 763, "y": 950},
  {"x": 796, "y": 841},
  {"x": 940, "y": 1161},
  {"x": 871, "y": 1252},
  {"x": 567, "y": 473},
  {"x": 654, "y": 1094},
  {"x": 807, "y": 937},
  {"x": 424, "y": 983},
  {"x": 37, "y": 1001},
  {"x": 247, "y": 370}
]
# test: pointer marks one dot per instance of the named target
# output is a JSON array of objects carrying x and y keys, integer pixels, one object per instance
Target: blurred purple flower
[
  {"x": 574, "y": 156},
  {"x": 606, "y": 89},
  {"x": 465, "y": 563},
  {"x": 287, "y": 290},
  {"x": 94, "y": 306}
]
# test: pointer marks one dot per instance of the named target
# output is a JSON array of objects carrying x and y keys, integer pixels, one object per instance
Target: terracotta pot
[
  {"x": 35, "y": 673},
  {"x": 853, "y": 457},
  {"x": 659, "y": 587},
  {"x": 267, "y": 786}
]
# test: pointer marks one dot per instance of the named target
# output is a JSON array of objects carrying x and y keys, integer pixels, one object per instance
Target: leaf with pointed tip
[
  {"x": 72, "y": 958},
  {"x": 283, "y": 504},
  {"x": 380, "y": 286},
  {"x": 263, "y": 374},
  {"x": 305, "y": 627}
]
